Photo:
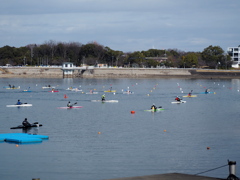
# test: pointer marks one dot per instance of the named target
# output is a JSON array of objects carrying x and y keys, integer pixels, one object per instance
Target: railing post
[{"x": 232, "y": 170}]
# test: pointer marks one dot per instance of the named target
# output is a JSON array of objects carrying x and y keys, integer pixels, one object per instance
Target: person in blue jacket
[{"x": 18, "y": 102}]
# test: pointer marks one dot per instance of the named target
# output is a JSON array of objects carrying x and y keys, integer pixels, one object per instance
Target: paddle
[{"x": 73, "y": 104}]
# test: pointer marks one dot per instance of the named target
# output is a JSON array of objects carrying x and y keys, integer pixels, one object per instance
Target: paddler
[
  {"x": 190, "y": 93},
  {"x": 18, "y": 102},
  {"x": 69, "y": 104},
  {"x": 177, "y": 99},
  {"x": 103, "y": 97},
  {"x": 206, "y": 91},
  {"x": 153, "y": 107},
  {"x": 26, "y": 123}
]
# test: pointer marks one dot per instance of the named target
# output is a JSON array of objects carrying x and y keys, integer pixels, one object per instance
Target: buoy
[
  {"x": 165, "y": 130},
  {"x": 99, "y": 132},
  {"x": 65, "y": 96},
  {"x": 208, "y": 148},
  {"x": 132, "y": 112},
  {"x": 148, "y": 94},
  {"x": 17, "y": 145}
]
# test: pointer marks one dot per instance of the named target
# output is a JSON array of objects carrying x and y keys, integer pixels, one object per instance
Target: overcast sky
[{"x": 124, "y": 25}]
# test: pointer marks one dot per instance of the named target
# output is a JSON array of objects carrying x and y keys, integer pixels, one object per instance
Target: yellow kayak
[
  {"x": 110, "y": 91},
  {"x": 190, "y": 96}
]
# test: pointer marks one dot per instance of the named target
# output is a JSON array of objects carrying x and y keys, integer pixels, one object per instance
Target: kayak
[
  {"x": 24, "y": 127},
  {"x": 54, "y": 91},
  {"x": 70, "y": 107},
  {"x": 207, "y": 93},
  {"x": 13, "y": 87},
  {"x": 22, "y": 105},
  {"x": 125, "y": 92},
  {"x": 110, "y": 101},
  {"x": 48, "y": 87},
  {"x": 110, "y": 91},
  {"x": 190, "y": 96},
  {"x": 154, "y": 110},
  {"x": 26, "y": 90},
  {"x": 92, "y": 93},
  {"x": 179, "y": 102},
  {"x": 76, "y": 90}
]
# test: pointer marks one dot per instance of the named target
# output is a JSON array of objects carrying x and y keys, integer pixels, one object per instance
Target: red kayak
[
  {"x": 70, "y": 107},
  {"x": 54, "y": 91}
]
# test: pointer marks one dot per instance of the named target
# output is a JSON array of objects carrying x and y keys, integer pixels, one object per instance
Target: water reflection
[{"x": 31, "y": 130}]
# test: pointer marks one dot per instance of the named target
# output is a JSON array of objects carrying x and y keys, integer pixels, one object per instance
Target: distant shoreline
[{"x": 48, "y": 72}]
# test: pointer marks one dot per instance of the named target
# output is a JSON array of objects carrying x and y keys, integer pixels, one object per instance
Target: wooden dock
[{"x": 170, "y": 176}]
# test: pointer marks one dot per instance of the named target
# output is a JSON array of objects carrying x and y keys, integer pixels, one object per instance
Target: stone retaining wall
[{"x": 49, "y": 72}]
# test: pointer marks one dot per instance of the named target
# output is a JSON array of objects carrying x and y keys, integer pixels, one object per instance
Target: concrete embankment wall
[
  {"x": 137, "y": 72},
  {"x": 49, "y": 72},
  {"x": 31, "y": 72}
]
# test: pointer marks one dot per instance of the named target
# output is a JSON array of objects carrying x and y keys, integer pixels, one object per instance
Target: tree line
[{"x": 93, "y": 53}]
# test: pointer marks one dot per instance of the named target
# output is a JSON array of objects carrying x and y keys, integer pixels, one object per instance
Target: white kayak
[
  {"x": 130, "y": 92},
  {"x": 48, "y": 87},
  {"x": 179, "y": 102},
  {"x": 110, "y": 101},
  {"x": 91, "y": 92},
  {"x": 22, "y": 105}
]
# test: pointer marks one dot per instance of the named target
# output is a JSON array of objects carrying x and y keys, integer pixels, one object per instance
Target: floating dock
[{"x": 22, "y": 138}]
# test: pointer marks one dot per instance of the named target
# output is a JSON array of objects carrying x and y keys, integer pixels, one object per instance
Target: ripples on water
[{"x": 104, "y": 140}]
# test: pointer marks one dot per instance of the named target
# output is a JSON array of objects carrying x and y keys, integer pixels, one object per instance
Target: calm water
[{"x": 104, "y": 140}]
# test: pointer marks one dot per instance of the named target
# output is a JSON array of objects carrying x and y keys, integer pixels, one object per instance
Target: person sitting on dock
[
  {"x": 153, "y": 107},
  {"x": 177, "y": 99},
  {"x": 26, "y": 123},
  {"x": 18, "y": 102},
  {"x": 103, "y": 97}
]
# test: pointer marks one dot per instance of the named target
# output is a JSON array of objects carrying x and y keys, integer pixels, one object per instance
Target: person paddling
[
  {"x": 177, "y": 99},
  {"x": 103, "y": 97},
  {"x": 190, "y": 93},
  {"x": 206, "y": 91},
  {"x": 69, "y": 105},
  {"x": 25, "y": 123},
  {"x": 18, "y": 102},
  {"x": 153, "y": 107}
]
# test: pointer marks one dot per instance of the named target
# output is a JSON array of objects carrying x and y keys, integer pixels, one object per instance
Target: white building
[{"x": 234, "y": 52}]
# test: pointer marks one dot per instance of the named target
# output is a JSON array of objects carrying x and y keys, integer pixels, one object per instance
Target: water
[{"x": 104, "y": 140}]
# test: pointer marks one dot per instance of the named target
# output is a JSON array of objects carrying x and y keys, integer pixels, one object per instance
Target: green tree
[
  {"x": 213, "y": 56},
  {"x": 137, "y": 58},
  {"x": 189, "y": 60}
]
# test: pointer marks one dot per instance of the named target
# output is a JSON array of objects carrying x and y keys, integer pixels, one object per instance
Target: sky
[{"x": 122, "y": 25}]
